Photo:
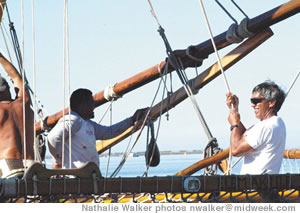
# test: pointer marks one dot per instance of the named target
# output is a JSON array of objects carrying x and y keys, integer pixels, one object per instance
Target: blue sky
[{"x": 113, "y": 40}]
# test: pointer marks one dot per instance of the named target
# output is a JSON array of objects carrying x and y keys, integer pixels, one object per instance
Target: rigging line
[
  {"x": 173, "y": 60},
  {"x": 226, "y": 11},
  {"x": 158, "y": 127},
  {"x": 153, "y": 13},
  {"x": 221, "y": 67},
  {"x": 109, "y": 151},
  {"x": 291, "y": 86},
  {"x": 127, "y": 152},
  {"x": 23, "y": 72},
  {"x": 239, "y": 8},
  {"x": 69, "y": 82},
  {"x": 36, "y": 158},
  {"x": 5, "y": 41},
  {"x": 104, "y": 114},
  {"x": 3, "y": 30},
  {"x": 15, "y": 42},
  {"x": 214, "y": 45},
  {"x": 64, "y": 85},
  {"x": 16, "y": 47}
]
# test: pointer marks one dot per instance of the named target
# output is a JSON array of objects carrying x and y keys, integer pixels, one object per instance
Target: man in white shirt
[
  {"x": 262, "y": 145},
  {"x": 84, "y": 132}
]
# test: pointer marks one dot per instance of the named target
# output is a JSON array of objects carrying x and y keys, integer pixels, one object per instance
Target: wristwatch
[{"x": 233, "y": 126}]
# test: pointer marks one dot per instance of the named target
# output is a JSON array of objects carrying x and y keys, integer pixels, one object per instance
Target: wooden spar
[
  {"x": 201, "y": 51},
  {"x": 255, "y": 25},
  {"x": 119, "y": 88},
  {"x": 204, "y": 78},
  {"x": 292, "y": 153},
  {"x": 288, "y": 153},
  {"x": 204, "y": 163}
]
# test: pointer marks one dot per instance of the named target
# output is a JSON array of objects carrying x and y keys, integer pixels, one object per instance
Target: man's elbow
[{"x": 235, "y": 152}]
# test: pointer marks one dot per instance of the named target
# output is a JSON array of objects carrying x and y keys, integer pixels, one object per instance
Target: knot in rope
[{"x": 109, "y": 93}]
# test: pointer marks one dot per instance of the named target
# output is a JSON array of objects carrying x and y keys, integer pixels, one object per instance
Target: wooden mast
[
  {"x": 204, "y": 78},
  {"x": 201, "y": 51}
]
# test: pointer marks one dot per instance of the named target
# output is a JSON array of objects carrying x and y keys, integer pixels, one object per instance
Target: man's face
[
  {"x": 261, "y": 106},
  {"x": 87, "y": 109}
]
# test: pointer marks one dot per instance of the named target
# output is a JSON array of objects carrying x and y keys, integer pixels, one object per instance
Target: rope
[
  {"x": 221, "y": 67},
  {"x": 66, "y": 69},
  {"x": 109, "y": 151},
  {"x": 214, "y": 45},
  {"x": 294, "y": 81},
  {"x": 3, "y": 35},
  {"x": 109, "y": 93},
  {"x": 64, "y": 82},
  {"x": 239, "y": 8},
  {"x": 23, "y": 74},
  {"x": 226, "y": 11},
  {"x": 158, "y": 127},
  {"x": 127, "y": 152},
  {"x": 35, "y": 145},
  {"x": 69, "y": 83},
  {"x": 178, "y": 67}
]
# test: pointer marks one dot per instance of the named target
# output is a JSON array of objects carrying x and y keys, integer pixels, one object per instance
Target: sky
[{"x": 110, "y": 41}]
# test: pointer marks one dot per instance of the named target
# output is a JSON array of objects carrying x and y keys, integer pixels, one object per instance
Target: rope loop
[
  {"x": 109, "y": 93},
  {"x": 242, "y": 29},
  {"x": 232, "y": 35}
]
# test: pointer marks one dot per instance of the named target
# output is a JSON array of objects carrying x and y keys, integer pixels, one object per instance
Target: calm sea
[{"x": 171, "y": 164}]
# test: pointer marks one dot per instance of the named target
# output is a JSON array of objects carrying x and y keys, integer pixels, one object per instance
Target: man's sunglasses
[{"x": 256, "y": 100}]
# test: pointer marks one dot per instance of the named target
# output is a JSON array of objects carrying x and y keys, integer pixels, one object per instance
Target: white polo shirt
[{"x": 267, "y": 138}]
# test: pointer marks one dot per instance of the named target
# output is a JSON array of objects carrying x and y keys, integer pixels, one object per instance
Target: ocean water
[{"x": 171, "y": 164}]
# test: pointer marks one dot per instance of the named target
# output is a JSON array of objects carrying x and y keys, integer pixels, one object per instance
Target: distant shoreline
[
  {"x": 142, "y": 153},
  {"x": 137, "y": 154}
]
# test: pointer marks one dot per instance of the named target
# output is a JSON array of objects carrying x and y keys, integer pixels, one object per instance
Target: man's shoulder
[{"x": 74, "y": 118}]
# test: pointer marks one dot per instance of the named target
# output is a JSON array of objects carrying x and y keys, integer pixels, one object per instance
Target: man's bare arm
[{"x": 13, "y": 74}]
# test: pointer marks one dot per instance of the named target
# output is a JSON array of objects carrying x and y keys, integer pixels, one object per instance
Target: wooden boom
[
  {"x": 288, "y": 153},
  {"x": 200, "y": 51},
  {"x": 204, "y": 163},
  {"x": 291, "y": 153},
  {"x": 204, "y": 78}
]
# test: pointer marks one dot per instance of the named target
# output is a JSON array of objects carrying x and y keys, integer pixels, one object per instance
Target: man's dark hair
[
  {"x": 78, "y": 97},
  {"x": 271, "y": 91}
]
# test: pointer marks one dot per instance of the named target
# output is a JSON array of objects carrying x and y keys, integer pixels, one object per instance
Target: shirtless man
[{"x": 11, "y": 124}]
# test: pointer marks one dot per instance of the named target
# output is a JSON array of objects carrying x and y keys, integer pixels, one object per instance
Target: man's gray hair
[{"x": 271, "y": 91}]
